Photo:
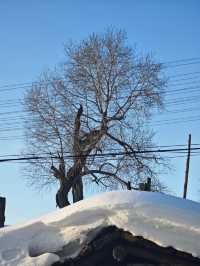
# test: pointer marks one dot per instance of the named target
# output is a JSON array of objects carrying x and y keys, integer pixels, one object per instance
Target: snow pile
[{"x": 166, "y": 220}]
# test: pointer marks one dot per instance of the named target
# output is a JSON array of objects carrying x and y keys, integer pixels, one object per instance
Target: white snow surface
[{"x": 164, "y": 219}]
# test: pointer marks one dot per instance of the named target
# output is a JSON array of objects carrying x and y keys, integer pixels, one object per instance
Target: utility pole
[
  {"x": 187, "y": 168},
  {"x": 2, "y": 211}
]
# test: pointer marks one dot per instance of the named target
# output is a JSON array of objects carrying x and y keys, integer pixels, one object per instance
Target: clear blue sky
[{"x": 32, "y": 34}]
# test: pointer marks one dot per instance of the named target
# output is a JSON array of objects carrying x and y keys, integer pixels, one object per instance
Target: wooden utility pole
[
  {"x": 2, "y": 211},
  {"x": 187, "y": 168}
]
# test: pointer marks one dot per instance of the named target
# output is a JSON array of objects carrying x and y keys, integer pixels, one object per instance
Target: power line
[
  {"x": 168, "y": 64},
  {"x": 110, "y": 149},
  {"x": 13, "y": 103},
  {"x": 185, "y": 74},
  {"x": 177, "y": 119},
  {"x": 176, "y": 122},
  {"x": 176, "y": 111},
  {"x": 109, "y": 154},
  {"x": 178, "y": 101},
  {"x": 189, "y": 89},
  {"x": 182, "y": 60},
  {"x": 183, "y": 64}
]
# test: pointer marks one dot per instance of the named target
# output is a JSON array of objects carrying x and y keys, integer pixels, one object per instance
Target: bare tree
[{"x": 94, "y": 107}]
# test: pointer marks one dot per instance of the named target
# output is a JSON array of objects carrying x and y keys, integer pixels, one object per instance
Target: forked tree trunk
[
  {"x": 71, "y": 181},
  {"x": 77, "y": 190},
  {"x": 62, "y": 194},
  {"x": 81, "y": 148}
]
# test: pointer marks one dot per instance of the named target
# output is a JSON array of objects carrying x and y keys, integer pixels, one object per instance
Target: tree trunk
[
  {"x": 62, "y": 195},
  {"x": 77, "y": 190},
  {"x": 70, "y": 181}
]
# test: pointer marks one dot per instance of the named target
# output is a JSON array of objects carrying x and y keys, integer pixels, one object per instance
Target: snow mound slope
[{"x": 166, "y": 220}]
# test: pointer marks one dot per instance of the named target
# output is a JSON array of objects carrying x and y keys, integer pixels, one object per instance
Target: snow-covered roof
[{"x": 163, "y": 219}]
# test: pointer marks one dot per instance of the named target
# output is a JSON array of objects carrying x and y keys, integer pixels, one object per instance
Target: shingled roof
[{"x": 113, "y": 246}]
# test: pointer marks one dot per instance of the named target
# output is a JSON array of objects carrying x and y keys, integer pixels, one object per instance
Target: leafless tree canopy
[{"x": 97, "y": 103}]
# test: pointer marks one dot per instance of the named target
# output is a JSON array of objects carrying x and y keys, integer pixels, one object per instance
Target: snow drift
[{"x": 163, "y": 219}]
